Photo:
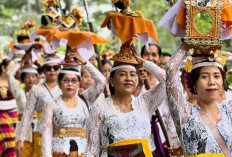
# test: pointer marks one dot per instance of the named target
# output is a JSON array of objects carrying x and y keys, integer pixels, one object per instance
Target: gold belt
[{"x": 69, "y": 132}]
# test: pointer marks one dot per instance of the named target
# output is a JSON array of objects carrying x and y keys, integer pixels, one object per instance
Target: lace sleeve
[
  {"x": 171, "y": 130},
  {"x": 28, "y": 113},
  {"x": 93, "y": 134},
  {"x": 93, "y": 92},
  {"x": 156, "y": 95},
  {"x": 178, "y": 105},
  {"x": 14, "y": 86},
  {"x": 47, "y": 129},
  {"x": 230, "y": 105}
]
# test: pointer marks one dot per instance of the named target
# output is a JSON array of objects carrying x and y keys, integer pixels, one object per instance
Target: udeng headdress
[{"x": 124, "y": 56}]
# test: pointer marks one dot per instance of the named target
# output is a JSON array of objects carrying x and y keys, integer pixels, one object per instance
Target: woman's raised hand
[
  {"x": 26, "y": 58},
  {"x": 77, "y": 56},
  {"x": 139, "y": 59}
]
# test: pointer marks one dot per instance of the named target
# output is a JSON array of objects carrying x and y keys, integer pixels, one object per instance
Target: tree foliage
[{"x": 13, "y": 13}]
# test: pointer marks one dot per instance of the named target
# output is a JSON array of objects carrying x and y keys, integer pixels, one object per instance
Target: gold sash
[{"x": 144, "y": 142}]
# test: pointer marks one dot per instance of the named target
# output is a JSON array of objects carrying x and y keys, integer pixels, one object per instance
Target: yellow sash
[
  {"x": 207, "y": 155},
  {"x": 144, "y": 142},
  {"x": 39, "y": 114}
]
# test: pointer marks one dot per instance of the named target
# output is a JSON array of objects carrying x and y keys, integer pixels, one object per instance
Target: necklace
[
  {"x": 210, "y": 116},
  {"x": 70, "y": 103},
  {"x": 124, "y": 109}
]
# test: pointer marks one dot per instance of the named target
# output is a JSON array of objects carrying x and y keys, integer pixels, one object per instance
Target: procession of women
[{"x": 131, "y": 103}]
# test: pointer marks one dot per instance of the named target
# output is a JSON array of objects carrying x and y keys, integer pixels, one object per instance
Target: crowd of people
[
  {"x": 33, "y": 114},
  {"x": 157, "y": 104}
]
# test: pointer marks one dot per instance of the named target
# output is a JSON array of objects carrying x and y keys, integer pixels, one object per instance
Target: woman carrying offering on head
[
  {"x": 120, "y": 123},
  {"x": 38, "y": 96},
  {"x": 65, "y": 118},
  {"x": 29, "y": 77},
  {"x": 206, "y": 127}
]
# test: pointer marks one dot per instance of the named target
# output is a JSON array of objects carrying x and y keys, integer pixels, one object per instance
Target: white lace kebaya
[
  {"x": 57, "y": 115},
  {"x": 20, "y": 97},
  {"x": 36, "y": 100},
  {"x": 107, "y": 124},
  {"x": 195, "y": 136}
]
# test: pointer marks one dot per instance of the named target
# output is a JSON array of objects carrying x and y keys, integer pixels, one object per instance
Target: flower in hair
[
  {"x": 220, "y": 57},
  {"x": 189, "y": 64}
]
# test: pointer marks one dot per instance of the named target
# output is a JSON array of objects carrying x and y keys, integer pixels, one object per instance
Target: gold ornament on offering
[
  {"x": 203, "y": 21},
  {"x": 77, "y": 14},
  {"x": 50, "y": 16},
  {"x": 71, "y": 20},
  {"x": 124, "y": 56}
]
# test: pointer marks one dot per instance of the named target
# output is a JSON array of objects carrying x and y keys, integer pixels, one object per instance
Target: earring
[
  {"x": 112, "y": 85},
  {"x": 194, "y": 91}
]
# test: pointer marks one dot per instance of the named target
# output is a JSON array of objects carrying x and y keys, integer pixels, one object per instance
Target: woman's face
[
  {"x": 30, "y": 80},
  {"x": 209, "y": 84},
  {"x": 86, "y": 80},
  {"x": 152, "y": 54},
  {"x": 69, "y": 84},
  {"x": 106, "y": 69},
  {"x": 124, "y": 81},
  {"x": 51, "y": 71},
  {"x": 18, "y": 75}
]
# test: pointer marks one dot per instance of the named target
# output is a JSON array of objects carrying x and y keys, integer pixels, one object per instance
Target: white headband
[
  {"x": 30, "y": 70},
  {"x": 70, "y": 72},
  {"x": 51, "y": 60},
  {"x": 76, "y": 67},
  {"x": 122, "y": 66},
  {"x": 202, "y": 64}
]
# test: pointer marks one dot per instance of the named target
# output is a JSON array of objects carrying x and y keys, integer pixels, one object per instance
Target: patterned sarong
[{"x": 8, "y": 122}]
